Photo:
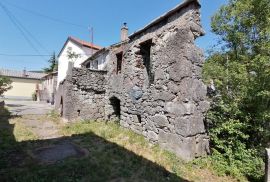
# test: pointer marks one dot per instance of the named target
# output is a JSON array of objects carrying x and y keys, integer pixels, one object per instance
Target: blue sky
[{"x": 106, "y": 16}]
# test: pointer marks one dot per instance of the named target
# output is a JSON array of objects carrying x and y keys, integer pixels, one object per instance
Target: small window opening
[
  {"x": 79, "y": 112},
  {"x": 145, "y": 49},
  {"x": 88, "y": 65},
  {"x": 119, "y": 57},
  {"x": 139, "y": 118}
]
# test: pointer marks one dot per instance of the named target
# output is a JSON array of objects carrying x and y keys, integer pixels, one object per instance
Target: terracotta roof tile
[{"x": 84, "y": 43}]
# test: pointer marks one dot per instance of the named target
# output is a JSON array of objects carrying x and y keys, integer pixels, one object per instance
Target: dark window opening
[
  {"x": 145, "y": 49},
  {"x": 139, "y": 118},
  {"x": 119, "y": 57},
  {"x": 88, "y": 65},
  {"x": 79, "y": 112},
  {"x": 116, "y": 104}
]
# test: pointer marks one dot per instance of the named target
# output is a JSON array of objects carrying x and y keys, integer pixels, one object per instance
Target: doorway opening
[
  {"x": 116, "y": 105},
  {"x": 61, "y": 107}
]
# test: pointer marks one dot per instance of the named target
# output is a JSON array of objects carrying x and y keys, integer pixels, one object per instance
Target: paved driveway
[{"x": 28, "y": 107}]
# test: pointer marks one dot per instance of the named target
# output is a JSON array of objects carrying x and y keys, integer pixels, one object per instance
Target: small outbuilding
[{"x": 24, "y": 84}]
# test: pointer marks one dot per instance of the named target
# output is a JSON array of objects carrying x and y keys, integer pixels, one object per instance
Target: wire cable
[
  {"x": 18, "y": 27},
  {"x": 33, "y": 55},
  {"x": 46, "y": 16},
  {"x": 23, "y": 55},
  {"x": 30, "y": 34}
]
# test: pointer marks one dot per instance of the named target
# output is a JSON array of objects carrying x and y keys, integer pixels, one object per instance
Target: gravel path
[
  {"x": 27, "y": 107},
  {"x": 34, "y": 117}
]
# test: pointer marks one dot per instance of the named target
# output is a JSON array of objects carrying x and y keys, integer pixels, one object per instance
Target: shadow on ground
[
  {"x": 14, "y": 105},
  {"x": 85, "y": 157}
]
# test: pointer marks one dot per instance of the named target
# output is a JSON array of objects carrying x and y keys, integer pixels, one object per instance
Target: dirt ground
[
  {"x": 20, "y": 107},
  {"x": 36, "y": 146}
]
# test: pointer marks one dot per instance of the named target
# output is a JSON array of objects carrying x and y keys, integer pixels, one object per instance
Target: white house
[
  {"x": 98, "y": 61},
  {"x": 81, "y": 51}
]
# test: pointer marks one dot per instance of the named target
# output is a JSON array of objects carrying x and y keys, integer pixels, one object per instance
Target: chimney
[{"x": 124, "y": 32}]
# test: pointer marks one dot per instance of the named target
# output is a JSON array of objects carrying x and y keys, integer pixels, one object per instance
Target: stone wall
[
  {"x": 84, "y": 94},
  {"x": 170, "y": 111},
  {"x": 160, "y": 96}
]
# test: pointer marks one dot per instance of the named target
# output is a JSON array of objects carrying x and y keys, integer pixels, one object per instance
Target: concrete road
[{"x": 27, "y": 107}]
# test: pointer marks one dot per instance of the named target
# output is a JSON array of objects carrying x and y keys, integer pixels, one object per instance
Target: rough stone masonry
[{"x": 152, "y": 84}]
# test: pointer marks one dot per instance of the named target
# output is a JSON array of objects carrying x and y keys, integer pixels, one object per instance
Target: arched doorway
[{"x": 116, "y": 106}]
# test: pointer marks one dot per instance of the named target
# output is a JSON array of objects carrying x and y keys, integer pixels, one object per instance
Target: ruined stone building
[{"x": 150, "y": 82}]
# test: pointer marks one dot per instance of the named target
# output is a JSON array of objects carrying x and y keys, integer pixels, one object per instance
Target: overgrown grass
[
  {"x": 20, "y": 132},
  {"x": 115, "y": 154},
  {"x": 13, "y": 131},
  {"x": 54, "y": 116},
  {"x": 112, "y": 132}
]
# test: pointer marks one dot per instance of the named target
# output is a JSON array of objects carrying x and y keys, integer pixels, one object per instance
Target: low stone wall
[
  {"x": 267, "y": 166},
  {"x": 84, "y": 93}
]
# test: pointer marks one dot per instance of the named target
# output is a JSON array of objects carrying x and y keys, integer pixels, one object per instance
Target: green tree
[
  {"x": 72, "y": 55},
  {"x": 5, "y": 84},
  {"x": 239, "y": 120},
  {"x": 53, "y": 64}
]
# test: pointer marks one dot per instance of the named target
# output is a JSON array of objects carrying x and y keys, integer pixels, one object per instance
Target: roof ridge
[
  {"x": 20, "y": 73},
  {"x": 84, "y": 43}
]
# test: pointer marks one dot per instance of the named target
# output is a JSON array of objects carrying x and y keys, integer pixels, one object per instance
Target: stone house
[{"x": 150, "y": 82}]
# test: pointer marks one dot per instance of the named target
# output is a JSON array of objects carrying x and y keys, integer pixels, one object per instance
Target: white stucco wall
[
  {"x": 63, "y": 60},
  {"x": 49, "y": 84},
  {"x": 100, "y": 62},
  {"x": 22, "y": 88}
]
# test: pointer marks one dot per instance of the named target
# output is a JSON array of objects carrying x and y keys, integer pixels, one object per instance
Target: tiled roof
[
  {"x": 21, "y": 74},
  {"x": 84, "y": 43}
]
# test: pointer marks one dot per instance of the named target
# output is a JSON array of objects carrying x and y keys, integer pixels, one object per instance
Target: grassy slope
[
  {"x": 137, "y": 144},
  {"x": 115, "y": 154}
]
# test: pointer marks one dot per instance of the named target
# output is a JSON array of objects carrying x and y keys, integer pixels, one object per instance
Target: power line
[
  {"x": 46, "y": 16},
  {"x": 23, "y": 55},
  {"x": 29, "y": 33},
  {"x": 32, "y": 36},
  {"x": 32, "y": 55},
  {"x": 18, "y": 25}
]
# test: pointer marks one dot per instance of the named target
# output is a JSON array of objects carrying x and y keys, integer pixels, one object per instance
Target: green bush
[
  {"x": 239, "y": 118},
  {"x": 34, "y": 96}
]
